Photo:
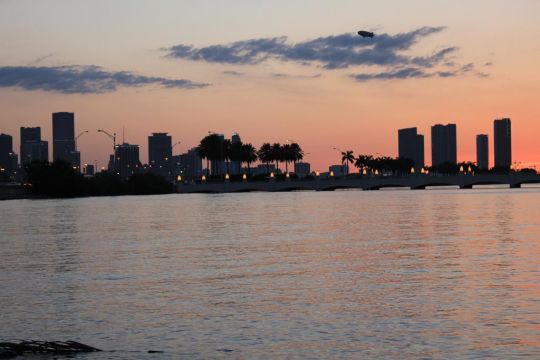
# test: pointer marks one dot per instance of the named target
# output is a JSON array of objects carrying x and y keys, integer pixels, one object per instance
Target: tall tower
[
  {"x": 443, "y": 144},
  {"x": 482, "y": 152},
  {"x": 159, "y": 153},
  {"x": 502, "y": 133},
  {"x": 63, "y": 136},
  {"x": 411, "y": 146},
  {"x": 32, "y": 147}
]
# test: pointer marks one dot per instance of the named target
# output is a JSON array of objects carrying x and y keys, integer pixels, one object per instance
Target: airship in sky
[{"x": 366, "y": 34}]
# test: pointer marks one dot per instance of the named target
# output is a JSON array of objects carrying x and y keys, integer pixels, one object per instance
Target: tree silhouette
[
  {"x": 346, "y": 158},
  {"x": 211, "y": 149},
  {"x": 248, "y": 155},
  {"x": 276, "y": 154},
  {"x": 265, "y": 155},
  {"x": 296, "y": 152}
]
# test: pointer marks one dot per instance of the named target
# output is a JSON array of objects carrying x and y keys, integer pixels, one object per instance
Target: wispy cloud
[
  {"x": 233, "y": 73},
  {"x": 332, "y": 52},
  {"x": 296, "y": 76},
  {"x": 75, "y": 79},
  {"x": 416, "y": 73},
  {"x": 392, "y": 54}
]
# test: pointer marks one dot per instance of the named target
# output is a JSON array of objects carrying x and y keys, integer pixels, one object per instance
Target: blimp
[{"x": 366, "y": 34}]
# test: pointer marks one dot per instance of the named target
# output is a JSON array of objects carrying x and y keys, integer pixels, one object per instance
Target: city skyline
[
  {"x": 146, "y": 73},
  {"x": 160, "y": 146}
]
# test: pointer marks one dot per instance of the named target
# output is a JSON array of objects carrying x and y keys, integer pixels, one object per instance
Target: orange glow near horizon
[{"x": 317, "y": 107}]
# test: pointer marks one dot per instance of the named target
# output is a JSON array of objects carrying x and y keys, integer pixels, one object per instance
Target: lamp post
[{"x": 112, "y": 137}]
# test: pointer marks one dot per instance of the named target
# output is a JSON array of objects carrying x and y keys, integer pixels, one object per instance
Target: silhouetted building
[
  {"x": 126, "y": 159},
  {"x": 8, "y": 159},
  {"x": 89, "y": 170},
  {"x": 338, "y": 170},
  {"x": 188, "y": 165},
  {"x": 32, "y": 147},
  {"x": 482, "y": 152},
  {"x": 111, "y": 164},
  {"x": 64, "y": 137},
  {"x": 236, "y": 166},
  {"x": 411, "y": 146},
  {"x": 218, "y": 167},
  {"x": 160, "y": 153},
  {"x": 502, "y": 134},
  {"x": 443, "y": 144},
  {"x": 263, "y": 169},
  {"x": 302, "y": 169}
]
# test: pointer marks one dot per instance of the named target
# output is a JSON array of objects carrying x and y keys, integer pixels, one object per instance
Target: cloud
[
  {"x": 90, "y": 79},
  {"x": 331, "y": 52},
  {"x": 286, "y": 76},
  {"x": 232, "y": 73},
  {"x": 416, "y": 73}
]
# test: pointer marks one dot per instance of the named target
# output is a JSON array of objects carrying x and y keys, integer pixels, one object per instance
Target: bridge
[{"x": 414, "y": 182}]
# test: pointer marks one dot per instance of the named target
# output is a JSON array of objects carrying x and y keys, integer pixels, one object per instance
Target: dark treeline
[
  {"x": 59, "y": 179},
  {"x": 215, "y": 148}
]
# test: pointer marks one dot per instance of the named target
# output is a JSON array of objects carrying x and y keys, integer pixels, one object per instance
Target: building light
[
  {"x": 412, "y": 170},
  {"x": 179, "y": 178},
  {"x": 317, "y": 174},
  {"x": 331, "y": 173},
  {"x": 226, "y": 176},
  {"x": 364, "y": 172},
  {"x": 287, "y": 175},
  {"x": 203, "y": 178},
  {"x": 244, "y": 177},
  {"x": 272, "y": 175}
]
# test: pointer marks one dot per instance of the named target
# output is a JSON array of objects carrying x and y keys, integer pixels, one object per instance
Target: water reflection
[{"x": 393, "y": 274}]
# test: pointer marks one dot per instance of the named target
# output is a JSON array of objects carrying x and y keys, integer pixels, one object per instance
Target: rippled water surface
[{"x": 385, "y": 274}]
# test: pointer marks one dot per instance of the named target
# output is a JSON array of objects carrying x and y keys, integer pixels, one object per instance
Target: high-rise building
[
  {"x": 502, "y": 134},
  {"x": 8, "y": 160},
  {"x": 482, "y": 152},
  {"x": 188, "y": 165},
  {"x": 236, "y": 166},
  {"x": 32, "y": 147},
  {"x": 443, "y": 144},
  {"x": 411, "y": 146},
  {"x": 160, "y": 153},
  {"x": 126, "y": 159},
  {"x": 64, "y": 136}
]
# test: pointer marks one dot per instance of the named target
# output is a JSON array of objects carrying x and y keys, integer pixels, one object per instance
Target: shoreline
[{"x": 413, "y": 182}]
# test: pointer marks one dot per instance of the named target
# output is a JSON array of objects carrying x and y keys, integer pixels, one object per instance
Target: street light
[
  {"x": 112, "y": 137},
  {"x": 78, "y": 136}
]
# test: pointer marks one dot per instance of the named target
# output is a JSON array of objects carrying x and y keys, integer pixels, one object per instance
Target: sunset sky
[{"x": 273, "y": 71}]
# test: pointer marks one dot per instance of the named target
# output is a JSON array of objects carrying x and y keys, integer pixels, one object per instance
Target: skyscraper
[
  {"x": 126, "y": 159},
  {"x": 502, "y": 133},
  {"x": 64, "y": 137},
  {"x": 482, "y": 152},
  {"x": 411, "y": 146},
  {"x": 159, "y": 153},
  {"x": 443, "y": 144},
  {"x": 188, "y": 165},
  {"x": 236, "y": 166},
  {"x": 8, "y": 160},
  {"x": 32, "y": 147}
]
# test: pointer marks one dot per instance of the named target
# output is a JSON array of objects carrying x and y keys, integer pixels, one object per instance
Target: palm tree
[
  {"x": 363, "y": 162},
  {"x": 346, "y": 158},
  {"x": 235, "y": 154},
  {"x": 210, "y": 148},
  {"x": 276, "y": 154},
  {"x": 297, "y": 153},
  {"x": 226, "y": 152},
  {"x": 286, "y": 155},
  {"x": 265, "y": 155},
  {"x": 248, "y": 155}
]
